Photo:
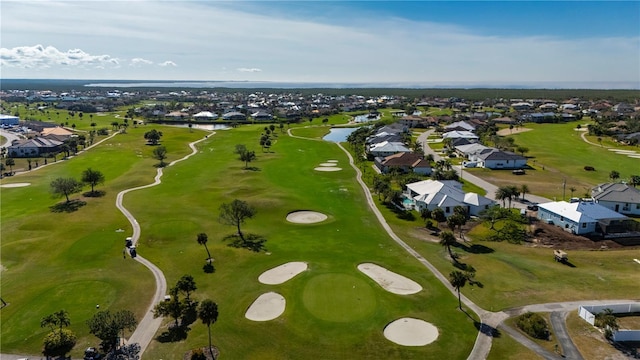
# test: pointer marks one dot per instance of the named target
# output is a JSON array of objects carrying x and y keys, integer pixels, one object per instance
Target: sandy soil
[
  {"x": 332, "y": 161},
  {"x": 390, "y": 281},
  {"x": 266, "y": 307},
  {"x": 282, "y": 273},
  {"x": 411, "y": 332},
  {"x": 329, "y": 164},
  {"x": 327, "y": 168},
  {"x": 15, "y": 185},
  {"x": 306, "y": 217},
  {"x": 507, "y": 131}
]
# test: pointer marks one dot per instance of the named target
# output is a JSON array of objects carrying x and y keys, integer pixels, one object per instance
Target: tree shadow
[
  {"x": 400, "y": 213},
  {"x": 96, "y": 193},
  {"x": 208, "y": 268},
  {"x": 68, "y": 207},
  {"x": 173, "y": 334},
  {"x": 160, "y": 165},
  {"x": 475, "y": 248},
  {"x": 190, "y": 315},
  {"x": 568, "y": 263},
  {"x": 251, "y": 168},
  {"x": 251, "y": 242},
  {"x": 487, "y": 329}
]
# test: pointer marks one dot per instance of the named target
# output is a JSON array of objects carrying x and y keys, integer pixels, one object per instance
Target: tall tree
[
  {"x": 202, "y": 240},
  {"x": 57, "y": 319},
  {"x": 235, "y": 213},
  {"x": 247, "y": 157},
  {"x": 108, "y": 326},
  {"x": 208, "y": 313},
  {"x": 187, "y": 285},
  {"x": 172, "y": 307},
  {"x": 634, "y": 180},
  {"x": 524, "y": 189},
  {"x": 10, "y": 162},
  {"x": 160, "y": 153},
  {"x": 65, "y": 187},
  {"x": 153, "y": 136},
  {"x": 92, "y": 177},
  {"x": 459, "y": 279},
  {"x": 59, "y": 342},
  {"x": 614, "y": 175},
  {"x": 447, "y": 239},
  {"x": 502, "y": 194}
]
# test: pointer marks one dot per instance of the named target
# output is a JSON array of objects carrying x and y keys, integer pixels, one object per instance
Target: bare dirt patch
[
  {"x": 554, "y": 237},
  {"x": 507, "y": 131}
]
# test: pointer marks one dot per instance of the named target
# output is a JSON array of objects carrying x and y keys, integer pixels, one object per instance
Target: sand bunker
[
  {"x": 266, "y": 307},
  {"x": 411, "y": 332},
  {"x": 328, "y": 164},
  {"x": 390, "y": 281},
  {"x": 306, "y": 217},
  {"x": 332, "y": 161},
  {"x": 282, "y": 273},
  {"x": 327, "y": 168},
  {"x": 15, "y": 185}
]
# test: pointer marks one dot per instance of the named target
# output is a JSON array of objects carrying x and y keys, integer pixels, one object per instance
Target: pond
[
  {"x": 209, "y": 127},
  {"x": 339, "y": 134}
]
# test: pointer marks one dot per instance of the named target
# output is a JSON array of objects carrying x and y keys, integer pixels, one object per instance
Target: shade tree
[
  {"x": 235, "y": 213},
  {"x": 92, "y": 178},
  {"x": 108, "y": 327},
  {"x": 65, "y": 186}
]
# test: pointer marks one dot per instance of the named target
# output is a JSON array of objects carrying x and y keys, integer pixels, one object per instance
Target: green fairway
[
  {"x": 339, "y": 297},
  {"x": 557, "y": 153}
]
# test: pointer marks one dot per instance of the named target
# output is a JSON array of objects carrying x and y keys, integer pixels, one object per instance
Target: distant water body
[{"x": 404, "y": 85}]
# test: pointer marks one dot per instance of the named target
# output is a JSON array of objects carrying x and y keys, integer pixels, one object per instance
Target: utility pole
[{"x": 564, "y": 186}]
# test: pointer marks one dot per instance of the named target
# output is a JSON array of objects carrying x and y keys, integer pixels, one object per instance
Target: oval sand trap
[
  {"x": 328, "y": 164},
  {"x": 266, "y": 307},
  {"x": 306, "y": 217},
  {"x": 15, "y": 185},
  {"x": 332, "y": 161},
  {"x": 327, "y": 168},
  {"x": 390, "y": 281},
  {"x": 411, "y": 332},
  {"x": 282, "y": 273}
]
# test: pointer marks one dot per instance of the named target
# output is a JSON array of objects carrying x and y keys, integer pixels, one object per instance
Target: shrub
[
  {"x": 198, "y": 354},
  {"x": 534, "y": 325}
]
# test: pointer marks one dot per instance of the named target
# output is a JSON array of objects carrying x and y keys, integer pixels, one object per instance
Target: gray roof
[
  {"x": 616, "y": 192},
  {"x": 496, "y": 154}
]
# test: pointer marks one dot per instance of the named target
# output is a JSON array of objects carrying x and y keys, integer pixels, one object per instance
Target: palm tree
[
  {"x": 634, "y": 180},
  {"x": 202, "y": 240},
  {"x": 208, "y": 313},
  {"x": 447, "y": 239},
  {"x": 614, "y": 175},
  {"x": 523, "y": 190},
  {"x": 458, "y": 280},
  {"x": 10, "y": 163},
  {"x": 62, "y": 317},
  {"x": 502, "y": 194}
]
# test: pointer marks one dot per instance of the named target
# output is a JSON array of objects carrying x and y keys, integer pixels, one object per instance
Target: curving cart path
[{"x": 148, "y": 326}]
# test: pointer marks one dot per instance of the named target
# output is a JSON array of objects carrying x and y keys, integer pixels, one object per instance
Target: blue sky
[{"x": 398, "y": 42}]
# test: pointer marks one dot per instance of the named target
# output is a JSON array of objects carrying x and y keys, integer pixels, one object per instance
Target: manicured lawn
[
  {"x": 505, "y": 347},
  {"x": 558, "y": 153}
]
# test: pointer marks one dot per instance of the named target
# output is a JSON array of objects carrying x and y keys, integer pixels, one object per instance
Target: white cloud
[
  {"x": 168, "y": 63},
  {"x": 249, "y": 70},
  {"x": 40, "y": 57},
  {"x": 140, "y": 62}
]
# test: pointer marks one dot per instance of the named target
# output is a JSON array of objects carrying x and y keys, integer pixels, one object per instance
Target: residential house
[
  {"x": 469, "y": 150},
  {"x": 412, "y": 121},
  {"x": 9, "y": 120},
  {"x": 582, "y": 217},
  {"x": 446, "y": 194},
  {"x": 406, "y": 162},
  {"x": 234, "y": 115},
  {"x": 33, "y": 147},
  {"x": 522, "y": 106},
  {"x": 387, "y": 148},
  {"x": 460, "y": 126},
  {"x": 205, "y": 116},
  {"x": 618, "y": 197},
  {"x": 261, "y": 116},
  {"x": 459, "y": 134},
  {"x": 58, "y": 132},
  {"x": 498, "y": 159}
]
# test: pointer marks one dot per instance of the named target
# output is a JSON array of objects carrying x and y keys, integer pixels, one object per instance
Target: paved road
[{"x": 559, "y": 325}]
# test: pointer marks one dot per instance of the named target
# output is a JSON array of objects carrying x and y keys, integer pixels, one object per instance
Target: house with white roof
[
  {"x": 497, "y": 159},
  {"x": 387, "y": 148},
  {"x": 468, "y": 150},
  {"x": 620, "y": 198},
  {"x": 205, "y": 115},
  {"x": 445, "y": 194},
  {"x": 581, "y": 217},
  {"x": 460, "y": 126},
  {"x": 456, "y": 134}
]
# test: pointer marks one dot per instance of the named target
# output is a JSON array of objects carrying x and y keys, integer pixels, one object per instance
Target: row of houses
[{"x": 49, "y": 141}]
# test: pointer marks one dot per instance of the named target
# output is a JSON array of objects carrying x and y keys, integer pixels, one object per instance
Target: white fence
[{"x": 588, "y": 313}]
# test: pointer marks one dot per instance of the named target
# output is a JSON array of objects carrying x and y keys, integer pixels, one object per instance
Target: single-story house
[
  {"x": 205, "y": 115},
  {"x": 58, "y": 132},
  {"x": 387, "y": 148},
  {"x": 261, "y": 116},
  {"x": 581, "y": 217},
  {"x": 446, "y": 194},
  {"x": 234, "y": 115},
  {"x": 9, "y": 120},
  {"x": 620, "y": 198},
  {"x": 456, "y": 134},
  {"x": 468, "y": 150},
  {"x": 498, "y": 159},
  {"x": 460, "y": 126},
  {"x": 33, "y": 147},
  {"x": 406, "y": 162}
]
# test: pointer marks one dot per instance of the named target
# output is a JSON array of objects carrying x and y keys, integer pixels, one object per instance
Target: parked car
[
  {"x": 532, "y": 207},
  {"x": 92, "y": 354}
]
